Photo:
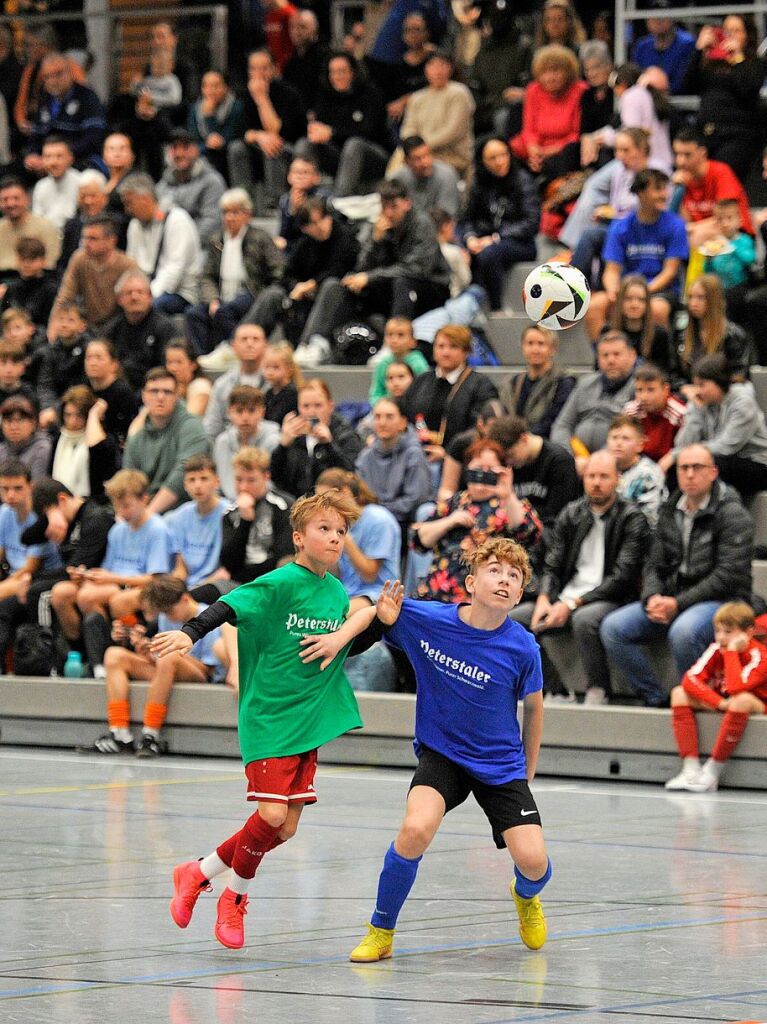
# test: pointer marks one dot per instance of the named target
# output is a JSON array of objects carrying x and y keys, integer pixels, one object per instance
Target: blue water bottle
[{"x": 73, "y": 666}]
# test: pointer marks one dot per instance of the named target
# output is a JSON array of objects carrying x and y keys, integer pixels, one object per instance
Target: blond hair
[
  {"x": 336, "y": 478},
  {"x": 735, "y": 613},
  {"x": 504, "y": 550},
  {"x": 252, "y": 458},
  {"x": 127, "y": 483},
  {"x": 457, "y": 335},
  {"x": 556, "y": 58},
  {"x": 312, "y": 505},
  {"x": 713, "y": 323},
  {"x": 284, "y": 351}
]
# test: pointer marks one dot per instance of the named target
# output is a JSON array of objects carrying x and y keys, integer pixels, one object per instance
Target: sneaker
[
  {"x": 314, "y": 352},
  {"x": 683, "y": 779},
  {"x": 596, "y": 695},
  {"x": 150, "y": 746},
  {"x": 706, "y": 782},
  {"x": 230, "y": 919},
  {"x": 377, "y": 945},
  {"x": 99, "y": 672},
  {"x": 221, "y": 359},
  {"x": 568, "y": 697},
  {"x": 532, "y": 923},
  {"x": 109, "y": 744},
  {"x": 188, "y": 883}
]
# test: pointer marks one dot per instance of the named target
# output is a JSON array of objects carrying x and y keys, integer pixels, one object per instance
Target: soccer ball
[{"x": 556, "y": 296}]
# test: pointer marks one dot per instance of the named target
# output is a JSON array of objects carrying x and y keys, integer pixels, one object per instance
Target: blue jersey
[
  {"x": 16, "y": 553},
  {"x": 642, "y": 248},
  {"x": 141, "y": 552},
  {"x": 469, "y": 683},
  {"x": 197, "y": 539},
  {"x": 378, "y": 535}
]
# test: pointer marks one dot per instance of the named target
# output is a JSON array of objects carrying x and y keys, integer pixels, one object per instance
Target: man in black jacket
[
  {"x": 138, "y": 332},
  {"x": 700, "y": 558},
  {"x": 273, "y": 120},
  {"x": 593, "y": 564},
  {"x": 328, "y": 247},
  {"x": 400, "y": 271}
]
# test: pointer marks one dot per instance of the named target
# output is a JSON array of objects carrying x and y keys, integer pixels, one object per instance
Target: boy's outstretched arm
[
  {"x": 367, "y": 624},
  {"x": 532, "y": 730},
  {"x": 181, "y": 641}
]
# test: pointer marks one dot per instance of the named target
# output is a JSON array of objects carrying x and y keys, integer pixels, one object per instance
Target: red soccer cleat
[
  {"x": 188, "y": 883},
  {"x": 230, "y": 919}
]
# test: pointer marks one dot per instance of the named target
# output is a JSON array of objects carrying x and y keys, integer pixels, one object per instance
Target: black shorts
[{"x": 505, "y": 806}]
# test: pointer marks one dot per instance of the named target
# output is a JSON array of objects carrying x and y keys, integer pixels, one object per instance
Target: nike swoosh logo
[{"x": 525, "y": 813}]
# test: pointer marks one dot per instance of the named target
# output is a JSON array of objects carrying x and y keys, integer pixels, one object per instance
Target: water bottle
[{"x": 73, "y": 666}]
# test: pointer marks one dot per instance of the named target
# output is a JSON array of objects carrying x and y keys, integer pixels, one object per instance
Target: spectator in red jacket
[
  {"x": 551, "y": 112},
  {"x": 729, "y": 677}
]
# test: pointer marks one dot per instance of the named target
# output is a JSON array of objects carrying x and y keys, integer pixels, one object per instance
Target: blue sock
[
  {"x": 394, "y": 887},
  {"x": 526, "y": 887}
]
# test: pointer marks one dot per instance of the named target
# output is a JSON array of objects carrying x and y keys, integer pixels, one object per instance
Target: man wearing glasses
[
  {"x": 700, "y": 558},
  {"x": 170, "y": 435}
]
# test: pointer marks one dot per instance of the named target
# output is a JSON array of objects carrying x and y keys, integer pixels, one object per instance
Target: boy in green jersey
[{"x": 287, "y": 708}]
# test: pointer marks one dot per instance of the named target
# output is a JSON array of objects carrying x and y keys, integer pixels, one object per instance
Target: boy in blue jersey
[
  {"x": 167, "y": 598},
  {"x": 138, "y": 547},
  {"x": 195, "y": 530},
  {"x": 472, "y": 666}
]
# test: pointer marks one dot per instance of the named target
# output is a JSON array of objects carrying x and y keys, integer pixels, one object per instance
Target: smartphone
[
  {"x": 481, "y": 476},
  {"x": 717, "y": 51}
]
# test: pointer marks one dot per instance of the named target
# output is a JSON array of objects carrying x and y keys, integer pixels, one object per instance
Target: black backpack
[{"x": 33, "y": 651}]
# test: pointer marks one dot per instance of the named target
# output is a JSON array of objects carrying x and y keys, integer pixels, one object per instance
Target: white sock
[
  {"x": 154, "y": 733},
  {"x": 123, "y": 735},
  {"x": 239, "y": 885},
  {"x": 212, "y": 865},
  {"x": 691, "y": 765},
  {"x": 714, "y": 768}
]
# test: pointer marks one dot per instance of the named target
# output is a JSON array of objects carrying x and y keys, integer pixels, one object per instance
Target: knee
[
  {"x": 533, "y": 864},
  {"x": 86, "y": 601},
  {"x": 609, "y": 629},
  {"x": 742, "y": 703},
  {"x": 288, "y": 830},
  {"x": 273, "y": 814},
  {"x": 114, "y": 657},
  {"x": 679, "y": 698},
  {"x": 414, "y": 838},
  {"x": 62, "y": 594}
]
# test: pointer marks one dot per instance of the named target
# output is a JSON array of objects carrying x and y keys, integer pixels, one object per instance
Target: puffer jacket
[
  {"x": 626, "y": 538},
  {"x": 719, "y": 557}
]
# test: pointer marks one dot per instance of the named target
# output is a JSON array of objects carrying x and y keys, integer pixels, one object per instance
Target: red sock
[
  {"x": 730, "y": 734},
  {"x": 255, "y": 839},
  {"x": 227, "y": 848},
  {"x": 685, "y": 731}
]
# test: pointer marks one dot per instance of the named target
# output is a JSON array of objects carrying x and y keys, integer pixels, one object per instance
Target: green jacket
[{"x": 161, "y": 452}]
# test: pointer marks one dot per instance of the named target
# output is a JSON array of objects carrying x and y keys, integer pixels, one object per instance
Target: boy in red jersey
[
  {"x": 731, "y": 677},
  {"x": 660, "y": 413},
  {"x": 287, "y": 709}
]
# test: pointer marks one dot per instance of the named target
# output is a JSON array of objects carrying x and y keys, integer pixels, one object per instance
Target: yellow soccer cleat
[
  {"x": 377, "y": 945},
  {"x": 532, "y": 923}
]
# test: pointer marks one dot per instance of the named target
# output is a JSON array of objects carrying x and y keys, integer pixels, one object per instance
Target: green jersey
[{"x": 288, "y": 707}]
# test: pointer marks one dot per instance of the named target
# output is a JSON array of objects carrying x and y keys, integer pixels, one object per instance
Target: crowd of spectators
[{"x": 161, "y": 394}]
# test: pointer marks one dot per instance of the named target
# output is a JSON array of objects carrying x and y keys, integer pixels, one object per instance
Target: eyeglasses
[
  {"x": 160, "y": 392},
  {"x": 694, "y": 467}
]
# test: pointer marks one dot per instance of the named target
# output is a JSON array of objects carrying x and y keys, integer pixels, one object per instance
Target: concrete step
[{"x": 505, "y": 334}]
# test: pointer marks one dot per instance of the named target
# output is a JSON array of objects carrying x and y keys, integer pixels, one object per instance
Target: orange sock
[
  {"x": 154, "y": 716},
  {"x": 118, "y": 714}
]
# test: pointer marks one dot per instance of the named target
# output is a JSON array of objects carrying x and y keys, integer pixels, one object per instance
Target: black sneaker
[
  {"x": 108, "y": 744},
  {"x": 150, "y": 746}
]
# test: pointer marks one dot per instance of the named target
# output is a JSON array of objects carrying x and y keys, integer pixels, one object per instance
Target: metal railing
[
  {"x": 627, "y": 12},
  {"x": 105, "y": 76}
]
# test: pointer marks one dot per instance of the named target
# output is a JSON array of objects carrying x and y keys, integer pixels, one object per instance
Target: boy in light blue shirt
[
  {"x": 195, "y": 527},
  {"x": 732, "y": 268},
  {"x": 138, "y": 547}
]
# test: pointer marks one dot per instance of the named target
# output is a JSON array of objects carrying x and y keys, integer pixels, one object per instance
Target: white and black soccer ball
[{"x": 556, "y": 296}]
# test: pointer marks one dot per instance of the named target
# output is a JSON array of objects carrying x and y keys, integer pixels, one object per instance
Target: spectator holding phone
[{"x": 488, "y": 507}]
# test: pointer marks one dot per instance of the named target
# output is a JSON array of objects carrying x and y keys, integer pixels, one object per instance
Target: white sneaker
[
  {"x": 314, "y": 352},
  {"x": 560, "y": 698},
  {"x": 684, "y": 779},
  {"x": 596, "y": 695},
  {"x": 706, "y": 782},
  {"x": 219, "y": 360}
]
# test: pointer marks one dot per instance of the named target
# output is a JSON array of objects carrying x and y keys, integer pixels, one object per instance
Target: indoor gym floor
[{"x": 657, "y": 909}]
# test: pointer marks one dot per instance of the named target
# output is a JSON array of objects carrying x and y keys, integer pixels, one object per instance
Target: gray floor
[{"x": 657, "y": 910}]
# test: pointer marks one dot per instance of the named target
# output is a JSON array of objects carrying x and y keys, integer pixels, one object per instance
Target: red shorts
[{"x": 283, "y": 780}]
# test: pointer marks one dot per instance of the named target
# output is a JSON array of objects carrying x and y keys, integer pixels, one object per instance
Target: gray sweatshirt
[
  {"x": 734, "y": 427},
  {"x": 400, "y": 476},
  {"x": 589, "y": 411},
  {"x": 227, "y": 444}
]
